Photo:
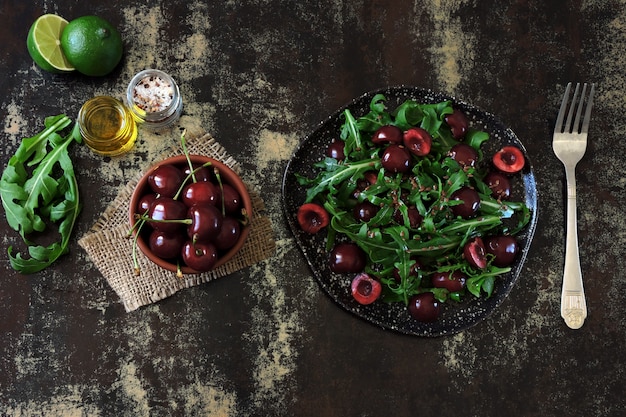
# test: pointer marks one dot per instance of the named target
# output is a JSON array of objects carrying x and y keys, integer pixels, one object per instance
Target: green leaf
[{"x": 48, "y": 195}]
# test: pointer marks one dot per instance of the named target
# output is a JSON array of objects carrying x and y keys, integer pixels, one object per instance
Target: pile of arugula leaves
[{"x": 39, "y": 190}]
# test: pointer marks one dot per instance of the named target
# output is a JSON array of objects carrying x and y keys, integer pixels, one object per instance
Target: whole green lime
[{"x": 92, "y": 45}]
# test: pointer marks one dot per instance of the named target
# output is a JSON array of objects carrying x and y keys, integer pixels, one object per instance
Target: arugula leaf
[{"x": 48, "y": 194}]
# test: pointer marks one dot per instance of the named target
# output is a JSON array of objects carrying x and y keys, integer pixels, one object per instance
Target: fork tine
[
  {"x": 558, "y": 127},
  {"x": 579, "y": 110},
  {"x": 568, "y": 124},
  {"x": 585, "y": 127}
]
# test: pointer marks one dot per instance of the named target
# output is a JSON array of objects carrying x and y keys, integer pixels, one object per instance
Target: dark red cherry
[
  {"x": 464, "y": 154},
  {"x": 165, "y": 180},
  {"x": 145, "y": 202},
  {"x": 365, "y": 211},
  {"x": 503, "y": 248},
  {"x": 166, "y": 245},
  {"x": 415, "y": 218},
  {"x": 365, "y": 289},
  {"x": 387, "y": 134},
  {"x": 471, "y": 202},
  {"x": 424, "y": 307},
  {"x": 499, "y": 184},
  {"x": 230, "y": 198},
  {"x": 200, "y": 256},
  {"x": 418, "y": 141},
  {"x": 347, "y": 257},
  {"x": 200, "y": 172},
  {"x": 312, "y": 217},
  {"x": 166, "y": 208},
  {"x": 509, "y": 159},
  {"x": 458, "y": 124},
  {"x": 336, "y": 150},
  {"x": 206, "y": 222},
  {"x": 229, "y": 234},
  {"x": 453, "y": 281},
  {"x": 475, "y": 253},
  {"x": 201, "y": 192},
  {"x": 396, "y": 158}
]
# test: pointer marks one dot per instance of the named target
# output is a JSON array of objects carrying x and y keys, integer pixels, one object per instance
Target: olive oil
[{"x": 106, "y": 125}]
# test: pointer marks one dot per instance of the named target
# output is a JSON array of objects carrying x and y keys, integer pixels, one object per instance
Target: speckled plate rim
[{"x": 455, "y": 317}]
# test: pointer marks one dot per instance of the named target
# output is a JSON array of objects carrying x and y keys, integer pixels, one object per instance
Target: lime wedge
[{"x": 44, "y": 43}]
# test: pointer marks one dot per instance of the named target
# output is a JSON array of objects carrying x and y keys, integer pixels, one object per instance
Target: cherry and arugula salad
[{"x": 414, "y": 210}]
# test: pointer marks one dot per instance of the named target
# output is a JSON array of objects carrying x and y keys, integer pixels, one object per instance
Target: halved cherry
[
  {"x": 475, "y": 253},
  {"x": 458, "y": 124},
  {"x": 509, "y": 159},
  {"x": 365, "y": 289},
  {"x": 312, "y": 217},
  {"x": 418, "y": 141}
]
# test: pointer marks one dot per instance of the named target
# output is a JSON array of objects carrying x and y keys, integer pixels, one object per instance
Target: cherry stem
[
  {"x": 183, "y": 144},
  {"x": 190, "y": 175},
  {"x": 219, "y": 181},
  {"x": 150, "y": 219}
]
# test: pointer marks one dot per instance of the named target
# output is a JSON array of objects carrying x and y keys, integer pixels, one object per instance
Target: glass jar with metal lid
[{"x": 154, "y": 99}]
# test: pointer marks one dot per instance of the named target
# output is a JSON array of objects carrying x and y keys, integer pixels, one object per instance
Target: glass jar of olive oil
[{"x": 107, "y": 126}]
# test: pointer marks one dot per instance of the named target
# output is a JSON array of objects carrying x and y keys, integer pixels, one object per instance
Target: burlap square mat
[{"x": 111, "y": 250}]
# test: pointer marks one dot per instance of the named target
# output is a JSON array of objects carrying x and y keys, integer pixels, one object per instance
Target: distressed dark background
[{"x": 259, "y": 76}]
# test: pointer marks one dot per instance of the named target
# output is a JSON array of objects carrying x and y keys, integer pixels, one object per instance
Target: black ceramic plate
[{"x": 455, "y": 317}]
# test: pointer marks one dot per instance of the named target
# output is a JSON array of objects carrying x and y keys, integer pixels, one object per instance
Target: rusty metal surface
[{"x": 267, "y": 341}]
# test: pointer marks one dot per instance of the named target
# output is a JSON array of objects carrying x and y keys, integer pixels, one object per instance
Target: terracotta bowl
[{"x": 227, "y": 175}]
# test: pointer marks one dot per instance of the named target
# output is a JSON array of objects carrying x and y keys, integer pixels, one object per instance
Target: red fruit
[
  {"x": 230, "y": 198},
  {"x": 475, "y": 253},
  {"x": 312, "y": 217},
  {"x": 396, "y": 158},
  {"x": 365, "y": 211},
  {"x": 503, "y": 248},
  {"x": 145, "y": 202},
  {"x": 509, "y": 159},
  {"x": 458, "y": 124},
  {"x": 163, "y": 210},
  {"x": 464, "y": 154},
  {"x": 200, "y": 256},
  {"x": 418, "y": 141},
  {"x": 165, "y": 180},
  {"x": 166, "y": 245},
  {"x": 424, "y": 307},
  {"x": 347, "y": 257},
  {"x": 206, "y": 222},
  {"x": 336, "y": 150},
  {"x": 499, "y": 184},
  {"x": 387, "y": 134},
  {"x": 452, "y": 281},
  {"x": 365, "y": 289},
  {"x": 471, "y": 202},
  {"x": 201, "y": 192},
  {"x": 229, "y": 234}
]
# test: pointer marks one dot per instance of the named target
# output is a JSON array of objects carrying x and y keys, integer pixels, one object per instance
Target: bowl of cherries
[{"x": 190, "y": 214}]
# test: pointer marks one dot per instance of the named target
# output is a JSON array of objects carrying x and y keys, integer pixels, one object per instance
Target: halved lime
[{"x": 44, "y": 43}]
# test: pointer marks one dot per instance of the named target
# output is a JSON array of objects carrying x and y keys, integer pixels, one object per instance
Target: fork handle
[{"x": 573, "y": 304}]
